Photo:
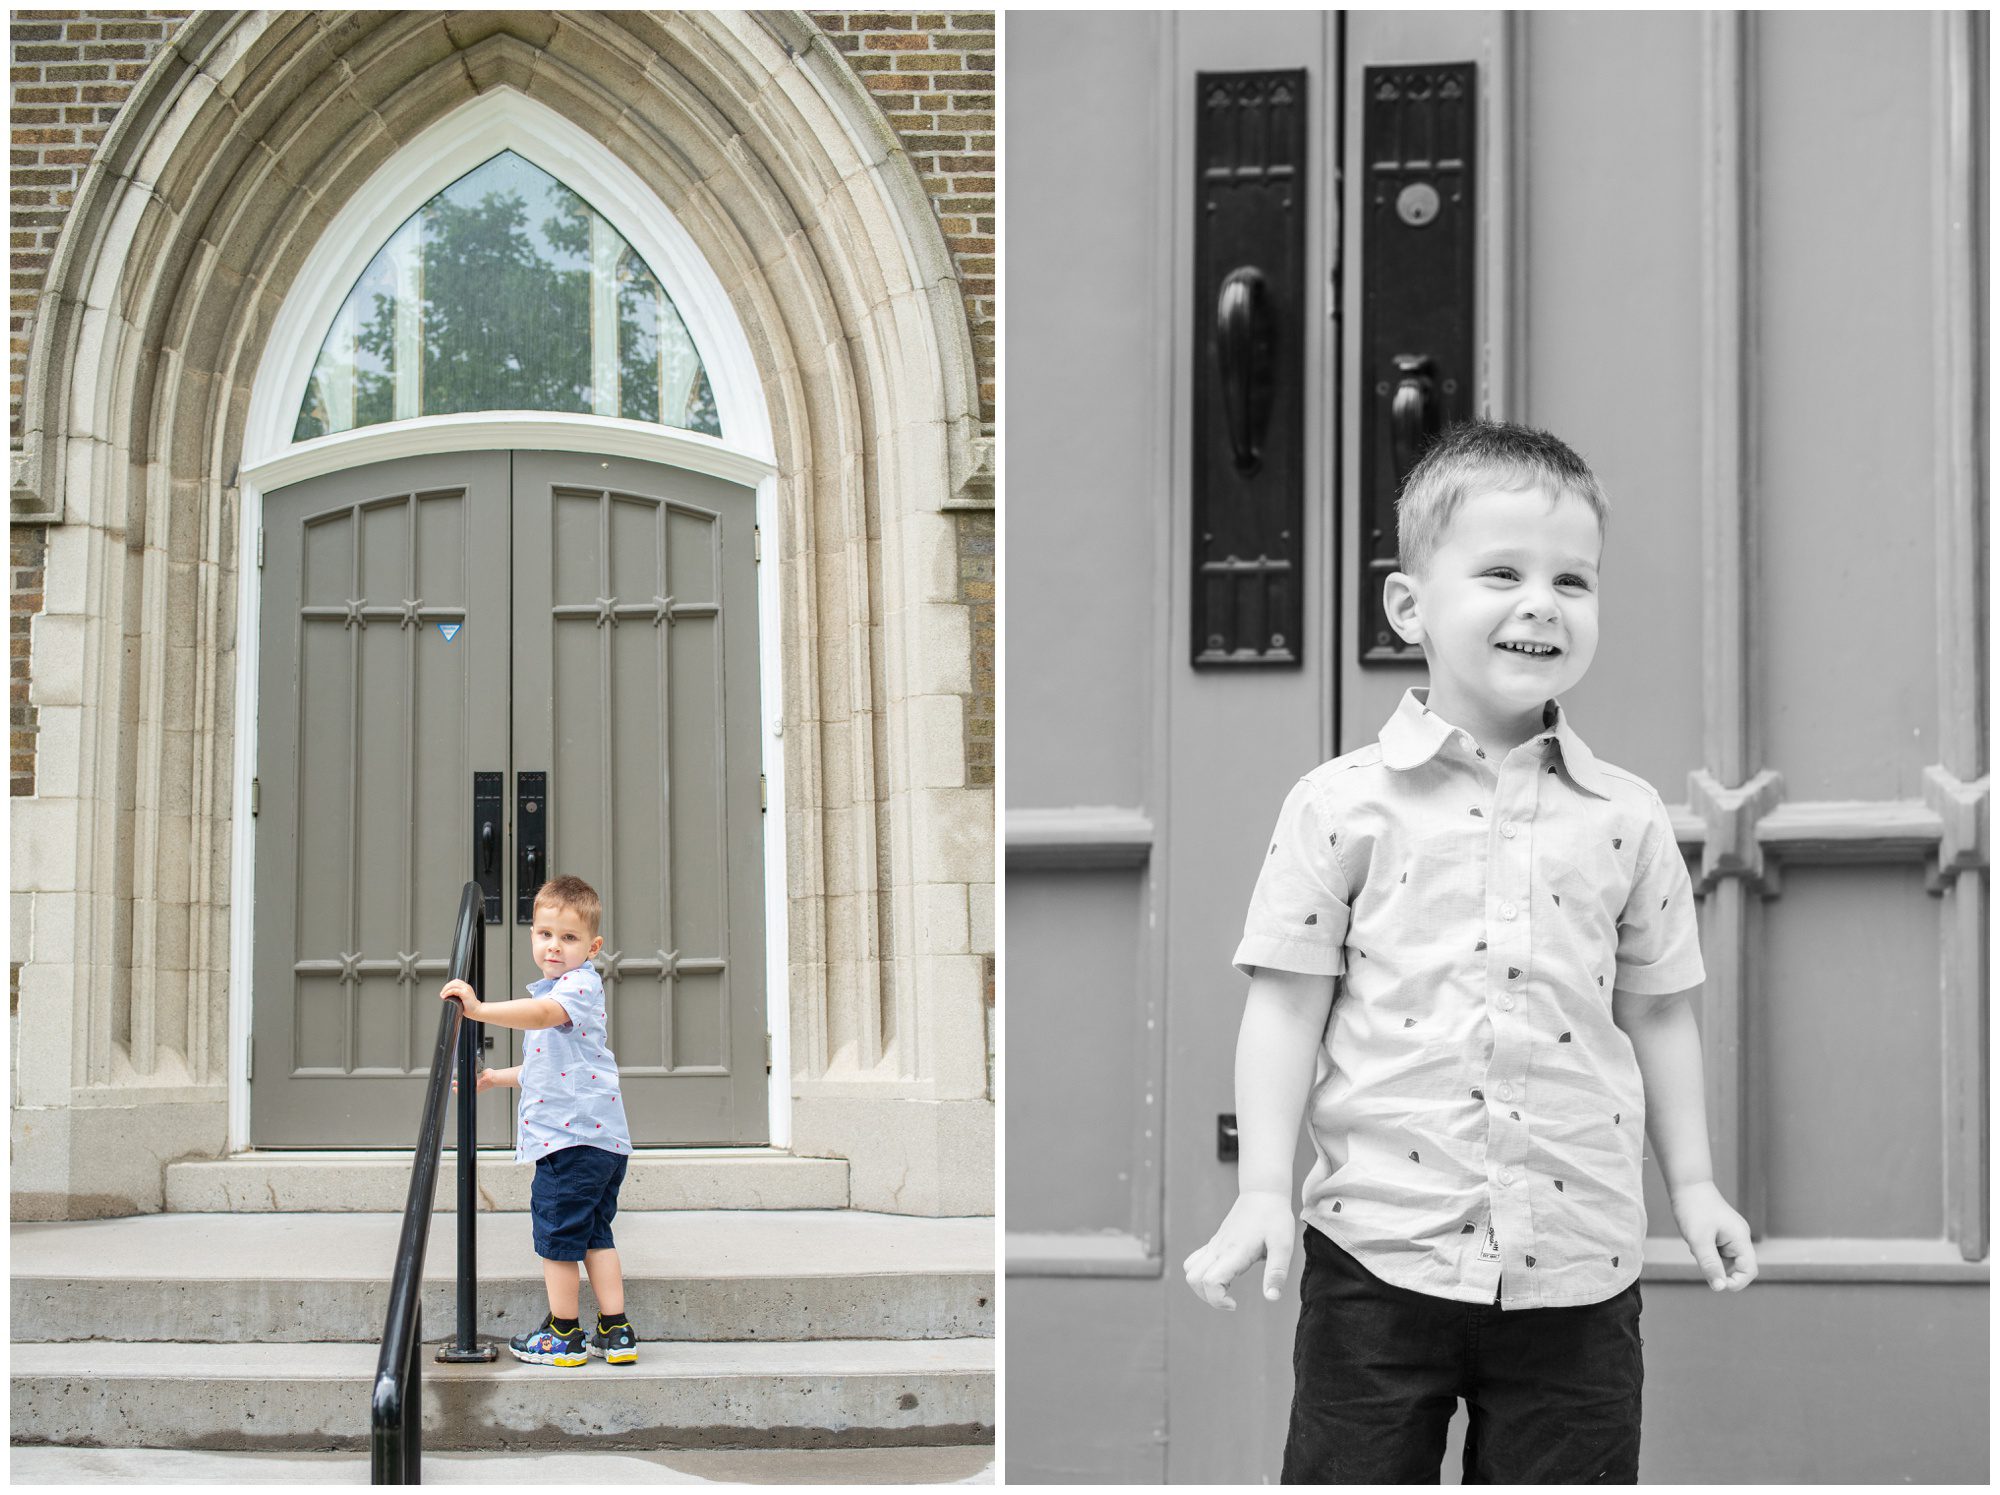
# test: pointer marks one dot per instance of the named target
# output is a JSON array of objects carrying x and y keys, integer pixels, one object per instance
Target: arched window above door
[{"x": 506, "y": 291}]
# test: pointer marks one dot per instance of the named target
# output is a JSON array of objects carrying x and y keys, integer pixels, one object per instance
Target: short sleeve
[
  {"x": 1298, "y": 912},
  {"x": 1659, "y": 941},
  {"x": 582, "y": 997}
]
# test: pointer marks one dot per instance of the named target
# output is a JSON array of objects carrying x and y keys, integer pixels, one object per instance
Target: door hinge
[
  {"x": 763, "y": 793},
  {"x": 767, "y": 1053},
  {"x": 757, "y": 541},
  {"x": 260, "y": 547},
  {"x": 254, "y": 797},
  {"x": 250, "y": 1061}
]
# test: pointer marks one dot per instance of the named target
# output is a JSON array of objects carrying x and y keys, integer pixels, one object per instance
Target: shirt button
[
  {"x": 1506, "y": 1004},
  {"x": 1506, "y": 1091},
  {"x": 1506, "y": 1175},
  {"x": 1507, "y": 830},
  {"x": 1506, "y": 910},
  {"x": 1466, "y": 740}
]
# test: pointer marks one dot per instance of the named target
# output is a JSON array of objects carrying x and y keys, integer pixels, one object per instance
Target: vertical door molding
[
  {"x": 1730, "y": 744},
  {"x": 1962, "y": 776},
  {"x": 1503, "y": 351}
]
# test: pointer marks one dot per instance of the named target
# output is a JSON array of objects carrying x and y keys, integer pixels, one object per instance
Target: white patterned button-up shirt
[
  {"x": 569, "y": 1076},
  {"x": 1477, "y": 1116}
]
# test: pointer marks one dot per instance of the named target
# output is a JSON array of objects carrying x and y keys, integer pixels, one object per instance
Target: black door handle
[
  {"x": 1243, "y": 357},
  {"x": 1413, "y": 413},
  {"x": 488, "y": 805},
  {"x": 531, "y": 835}
]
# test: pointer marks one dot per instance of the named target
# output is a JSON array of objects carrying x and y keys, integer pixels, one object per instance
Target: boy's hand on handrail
[
  {"x": 1259, "y": 1224},
  {"x": 489, "y": 1079},
  {"x": 467, "y": 998}
]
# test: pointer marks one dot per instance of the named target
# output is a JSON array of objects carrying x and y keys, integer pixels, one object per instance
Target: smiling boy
[{"x": 1509, "y": 926}]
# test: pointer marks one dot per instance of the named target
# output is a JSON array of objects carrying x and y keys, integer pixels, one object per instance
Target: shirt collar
[{"x": 1413, "y": 736}]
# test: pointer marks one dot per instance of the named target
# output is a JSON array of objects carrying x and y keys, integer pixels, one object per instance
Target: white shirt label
[{"x": 1490, "y": 1251}]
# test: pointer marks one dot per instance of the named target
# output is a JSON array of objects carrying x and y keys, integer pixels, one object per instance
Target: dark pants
[
  {"x": 1552, "y": 1394},
  {"x": 572, "y": 1200}
]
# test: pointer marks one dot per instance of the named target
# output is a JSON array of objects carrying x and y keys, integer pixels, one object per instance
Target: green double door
[{"x": 446, "y": 624}]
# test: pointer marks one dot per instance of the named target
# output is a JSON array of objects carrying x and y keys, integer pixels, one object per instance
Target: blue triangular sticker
[{"x": 449, "y": 630}]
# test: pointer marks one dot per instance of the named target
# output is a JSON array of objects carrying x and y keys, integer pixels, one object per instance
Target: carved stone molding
[
  {"x": 1961, "y": 809},
  {"x": 1730, "y": 847}
]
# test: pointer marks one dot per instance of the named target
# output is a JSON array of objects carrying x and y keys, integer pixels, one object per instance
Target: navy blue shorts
[
  {"x": 573, "y": 1199},
  {"x": 1552, "y": 1395}
]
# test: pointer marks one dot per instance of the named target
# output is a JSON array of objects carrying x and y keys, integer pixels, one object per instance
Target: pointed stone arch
[{"x": 206, "y": 198}]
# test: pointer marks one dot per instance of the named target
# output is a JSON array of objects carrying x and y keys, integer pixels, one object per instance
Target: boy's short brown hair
[
  {"x": 574, "y": 894},
  {"x": 1499, "y": 457}
]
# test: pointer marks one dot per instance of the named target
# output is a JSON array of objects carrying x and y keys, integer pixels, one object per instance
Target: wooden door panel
[
  {"x": 635, "y": 614},
  {"x": 369, "y": 721}
]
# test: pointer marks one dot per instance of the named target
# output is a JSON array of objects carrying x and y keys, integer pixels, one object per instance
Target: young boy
[
  {"x": 572, "y": 1123},
  {"x": 1512, "y": 929}
]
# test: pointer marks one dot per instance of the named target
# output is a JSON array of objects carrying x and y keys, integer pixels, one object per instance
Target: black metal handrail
[{"x": 397, "y": 1415}]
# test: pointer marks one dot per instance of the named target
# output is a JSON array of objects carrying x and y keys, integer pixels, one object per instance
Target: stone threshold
[{"x": 727, "y": 1178}]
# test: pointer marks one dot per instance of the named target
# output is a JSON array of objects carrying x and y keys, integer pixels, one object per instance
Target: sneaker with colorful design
[
  {"x": 617, "y": 1343},
  {"x": 548, "y": 1345}
]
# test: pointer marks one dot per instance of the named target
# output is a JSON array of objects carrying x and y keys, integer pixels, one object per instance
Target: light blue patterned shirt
[{"x": 569, "y": 1077}]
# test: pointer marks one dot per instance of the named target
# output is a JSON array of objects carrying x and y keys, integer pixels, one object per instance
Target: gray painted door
[
  {"x": 589, "y": 599},
  {"x": 635, "y": 637}
]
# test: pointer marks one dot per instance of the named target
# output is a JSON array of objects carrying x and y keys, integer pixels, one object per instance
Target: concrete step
[
  {"x": 693, "y": 1275},
  {"x": 948, "y": 1464},
  {"x": 303, "y": 1397},
  {"x": 365, "y": 1182}
]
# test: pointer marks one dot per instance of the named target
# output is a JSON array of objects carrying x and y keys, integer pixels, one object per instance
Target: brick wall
[
  {"x": 70, "y": 71},
  {"x": 933, "y": 74}
]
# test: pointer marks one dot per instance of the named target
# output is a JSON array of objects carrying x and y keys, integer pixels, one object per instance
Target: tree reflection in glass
[{"x": 486, "y": 299}]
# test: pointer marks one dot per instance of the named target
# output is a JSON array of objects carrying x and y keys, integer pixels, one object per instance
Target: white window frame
[{"x": 505, "y": 119}]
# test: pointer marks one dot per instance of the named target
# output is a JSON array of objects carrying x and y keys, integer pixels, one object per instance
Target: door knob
[
  {"x": 1243, "y": 356},
  {"x": 1414, "y": 413}
]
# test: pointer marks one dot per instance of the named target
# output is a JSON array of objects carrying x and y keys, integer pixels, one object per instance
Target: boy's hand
[
  {"x": 1715, "y": 1232},
  {"x": 1258, "y": 1224},
  {"x": 487, "y": 1080},
  {"x": 467, "y": 997}
]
